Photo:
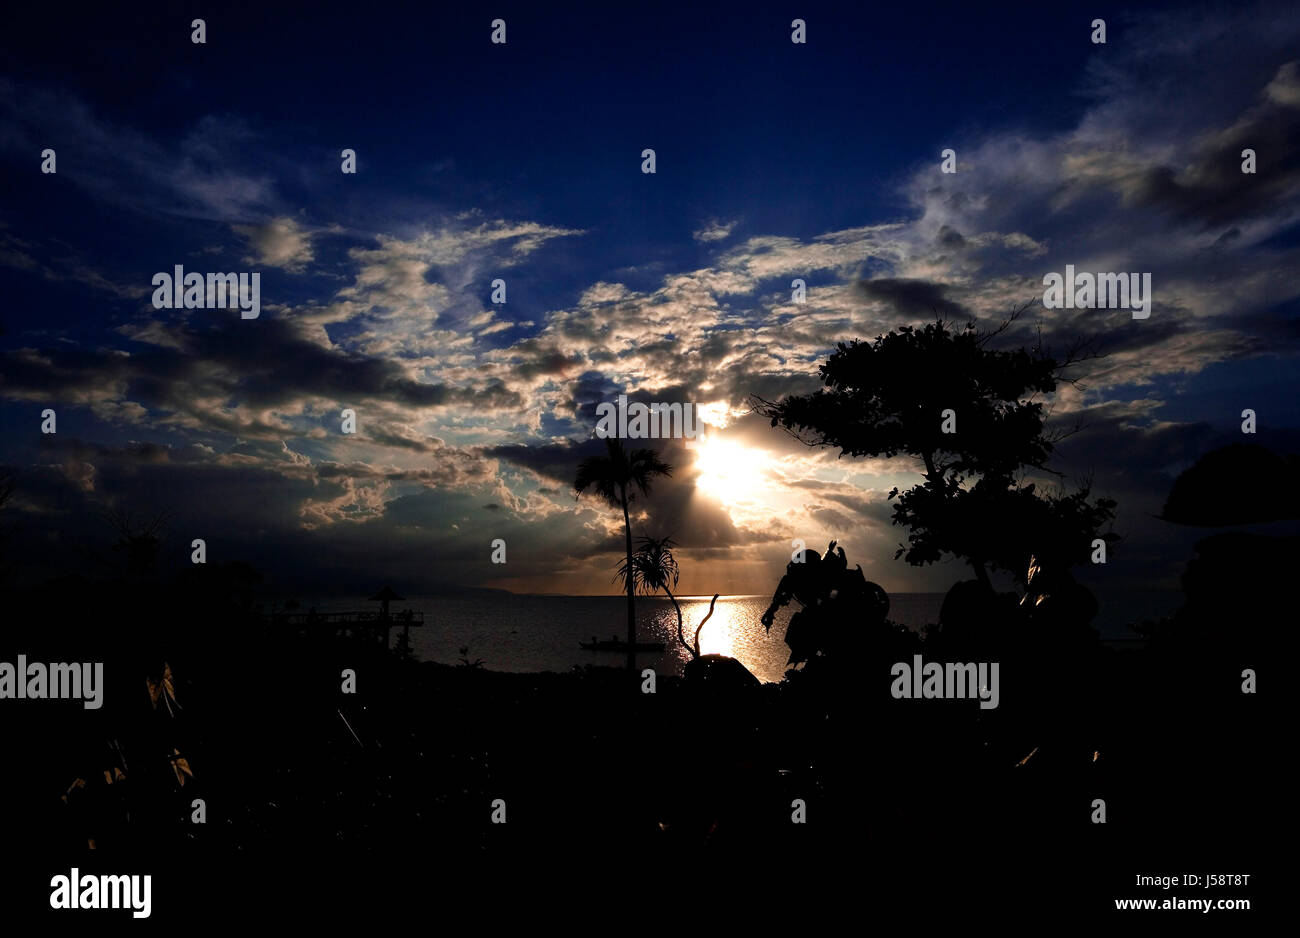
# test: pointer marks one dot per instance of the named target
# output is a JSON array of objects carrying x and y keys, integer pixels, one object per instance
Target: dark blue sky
[{"x": 798, "y": 139}]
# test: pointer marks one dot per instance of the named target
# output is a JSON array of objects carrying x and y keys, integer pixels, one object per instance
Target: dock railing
[{"x": 347, "y": 620}]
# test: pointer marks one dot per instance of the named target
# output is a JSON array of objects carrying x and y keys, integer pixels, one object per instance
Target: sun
[{"x": 728, "y": 471}]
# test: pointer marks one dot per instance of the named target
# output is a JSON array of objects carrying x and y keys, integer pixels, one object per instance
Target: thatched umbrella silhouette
[{"x": 385, "y": 596}]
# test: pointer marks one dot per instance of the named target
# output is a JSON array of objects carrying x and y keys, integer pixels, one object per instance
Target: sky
[{"x": 523, "y": 161}]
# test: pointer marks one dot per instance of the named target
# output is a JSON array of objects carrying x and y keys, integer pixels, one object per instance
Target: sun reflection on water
[{"x": 734, "y": 631}]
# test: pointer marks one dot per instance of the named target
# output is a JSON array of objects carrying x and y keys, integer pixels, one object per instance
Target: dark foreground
[{"x": 380, "y": 802}]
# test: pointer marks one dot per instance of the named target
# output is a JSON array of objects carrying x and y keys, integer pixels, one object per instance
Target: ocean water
[{"x": 541, "y": 633}]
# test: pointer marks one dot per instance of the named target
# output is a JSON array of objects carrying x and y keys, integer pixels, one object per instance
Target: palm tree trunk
[{"x": 631, "y": 585}]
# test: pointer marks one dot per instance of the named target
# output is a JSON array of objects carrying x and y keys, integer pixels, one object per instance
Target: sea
[{"x": 523, "y": 633}]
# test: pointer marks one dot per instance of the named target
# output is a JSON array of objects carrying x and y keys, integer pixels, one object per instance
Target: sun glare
[
  {"x": 729, "y": 472},
  {"x": 715, "y": 414}
]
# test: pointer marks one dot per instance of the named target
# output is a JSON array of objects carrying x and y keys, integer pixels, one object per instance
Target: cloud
[
  {"x": 1210, "y": 188},
  {"x": 913, "y": 298},
  {"x": 192, "y": 175},
  {"x": 714, "y": 230},
  {"x": 280, "y": 242},
  {"x": 1284, "y": 89},
  {"x": 210, "y": 377},
  {"x": 69, "y": 267}
]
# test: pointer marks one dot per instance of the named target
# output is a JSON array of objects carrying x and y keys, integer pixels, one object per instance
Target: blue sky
[{"x": 522, "y": 161}]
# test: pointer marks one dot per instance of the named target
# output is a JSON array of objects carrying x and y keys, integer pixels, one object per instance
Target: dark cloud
[
  {"x": 949, "y": 238},
  {"x": 1211, "y": 189},
  {"x": 911, "y": 298},
  {"x": 424, "y": 539},
  {"x": 555, "y": 461},
  {"x": 537, "y": 358},
  {"x": 836, "y": 521},
  {"x": 258, "y": 365},
  {"x": 674, "y": 507}
]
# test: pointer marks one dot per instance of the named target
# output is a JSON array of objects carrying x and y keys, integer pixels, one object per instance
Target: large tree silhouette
[
  {"x": 889, "y": 397},
  {"x": 616, "y": 477}
]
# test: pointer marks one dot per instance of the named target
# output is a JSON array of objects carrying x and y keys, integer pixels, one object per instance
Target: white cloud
[
  {"x": 280, "y": 242},
  {"x": 714, "y": 230}
]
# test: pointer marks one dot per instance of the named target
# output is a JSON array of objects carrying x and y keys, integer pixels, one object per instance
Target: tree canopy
[{"x": 968, "y": 413}]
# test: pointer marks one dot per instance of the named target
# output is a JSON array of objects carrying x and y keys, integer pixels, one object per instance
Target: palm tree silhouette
[
  {"x": 654, "y": 568},
  {"x": 616, "y": 477}
]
